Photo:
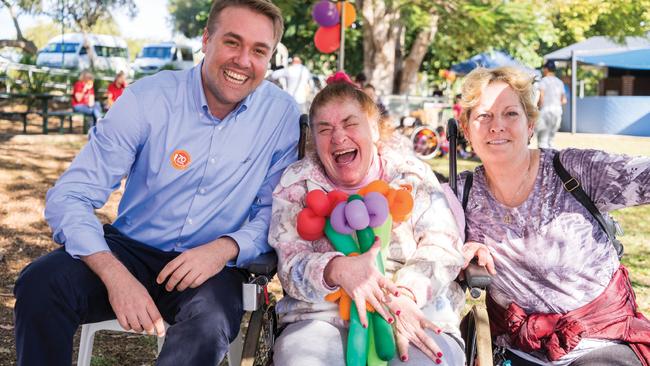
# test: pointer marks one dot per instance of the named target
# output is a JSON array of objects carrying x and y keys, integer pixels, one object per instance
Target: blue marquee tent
[
  {"x": 631, "y": 60},
  {"x": 489, "y": 60}
]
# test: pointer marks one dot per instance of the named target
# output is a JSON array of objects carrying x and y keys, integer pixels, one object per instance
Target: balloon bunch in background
[
  {"x": 351, "y": 224},
  {"x": 328, "y": 15}
]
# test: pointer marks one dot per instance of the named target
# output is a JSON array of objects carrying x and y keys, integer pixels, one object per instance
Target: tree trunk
[
  {"x": 416, "y": 55},
  {"x": 379, "y": 32},
  {"x": 20, "y": 41}
]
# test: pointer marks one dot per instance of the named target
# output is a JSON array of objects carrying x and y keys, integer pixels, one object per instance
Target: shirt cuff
[
  {"x": 84, "y": 243},
  {"x": 246, "y": 252}
]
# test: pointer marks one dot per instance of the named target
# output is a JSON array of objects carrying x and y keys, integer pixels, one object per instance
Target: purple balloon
[
  {"x": 338, "y": 221},
  {"x": 356, "y": 214},
  {"x": 377, "y": 206},
  {"x": 325, "y": 14}
]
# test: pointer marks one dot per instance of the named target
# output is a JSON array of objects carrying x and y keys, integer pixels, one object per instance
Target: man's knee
[{"x": 35, "y": 283}]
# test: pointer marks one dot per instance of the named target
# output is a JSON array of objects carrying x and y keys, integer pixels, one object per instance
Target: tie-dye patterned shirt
[
  {"x": 423, "y": 255},
  {"x": 551, "y": 256}
]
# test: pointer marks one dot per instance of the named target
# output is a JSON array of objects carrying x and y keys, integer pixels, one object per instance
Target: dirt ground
[{"x": 29, "y": 166}]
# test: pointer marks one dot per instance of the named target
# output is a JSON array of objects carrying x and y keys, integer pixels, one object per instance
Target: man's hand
[
  {"x": 132, "y": 304},
  {"x": 196, "y": 265}
]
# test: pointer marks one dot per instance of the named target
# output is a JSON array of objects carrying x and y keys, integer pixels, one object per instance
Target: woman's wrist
[{"x": 330, "y": 272}]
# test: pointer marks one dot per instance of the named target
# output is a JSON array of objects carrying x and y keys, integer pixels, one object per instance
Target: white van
[
  {"x": 156, "y": 56},
  {"x": 70, "y": 52}
]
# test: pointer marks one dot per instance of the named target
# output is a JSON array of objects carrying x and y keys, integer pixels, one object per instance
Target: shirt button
[
  {"x": 213, "y": 160},
  {"x": 178, "y": 244},
  {"x": 202, "y": 190},
  {"x": 189, "y": 221}
]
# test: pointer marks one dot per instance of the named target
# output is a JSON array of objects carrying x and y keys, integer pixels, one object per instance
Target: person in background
[
  {"x": 361, "y": 79},
  {"x": 372, "y": 93},
  {"x": 83, "y": 97},
  {"x": 560, "y": 295},
  {"x": 298, "y": 81},
  {"x": 202, "y": 150},
  {"x": 115, "y": 88},
  {"x": 456, "y": 108},
  {"x": 551, "y": 100}
]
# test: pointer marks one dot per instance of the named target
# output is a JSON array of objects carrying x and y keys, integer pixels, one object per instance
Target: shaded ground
[{"x": 29, "y": 165}]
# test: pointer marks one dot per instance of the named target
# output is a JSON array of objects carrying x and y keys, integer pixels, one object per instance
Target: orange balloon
[
  {"x": 375, "y": 186},
  {"x": 328, "y": 39},
  {"x": 350, "y": 13}
]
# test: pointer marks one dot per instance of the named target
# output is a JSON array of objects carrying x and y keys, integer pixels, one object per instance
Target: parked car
[
  {"x": 70, "y": 51},
  {"x": 167, "y": 55}
]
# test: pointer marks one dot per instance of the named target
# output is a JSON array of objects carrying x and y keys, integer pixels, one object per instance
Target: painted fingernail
[
  {"x": 365, "y": 325},
  {"x": 390, "y": 320},
  {"x": 438, "y": 331},
  {"x": 398, "y": 312},
  {"x": 439, "y": 354},
  {"x": 438, "y": 361},
  {"x": 405, "y": 358},
  {"x": 396, "y": 293}
]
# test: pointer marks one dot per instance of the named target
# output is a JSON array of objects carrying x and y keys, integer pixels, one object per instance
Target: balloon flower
[{"x": 351, "y": 224}]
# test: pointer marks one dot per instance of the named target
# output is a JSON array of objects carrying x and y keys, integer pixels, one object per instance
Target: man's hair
[
  {"x": 479, "y": 78},
  {"x": 550, "y": 65},
  {"x": 264, "y": 7}
]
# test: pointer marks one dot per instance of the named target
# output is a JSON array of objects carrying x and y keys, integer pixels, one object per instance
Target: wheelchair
[{"x": 263, "y": 328}]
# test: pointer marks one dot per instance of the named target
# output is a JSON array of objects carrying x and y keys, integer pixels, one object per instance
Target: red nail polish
[
  {"x": 438, "y": 361},
  {"x": 439, "y": 354},
  {"x": 365, "y": 325},
  {"x": 404, "y": 358},
  {"x": 390, "y": 320},
  {"x": 438, "y": 331},
  {"x": 398, "y": 312},
  {"x": 396, "y": 293}
]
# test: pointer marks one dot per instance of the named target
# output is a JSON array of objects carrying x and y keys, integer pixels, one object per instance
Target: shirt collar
[{"x": 203, "y": 102}]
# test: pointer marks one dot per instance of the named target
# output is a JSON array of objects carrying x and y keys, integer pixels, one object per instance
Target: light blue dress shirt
[{"x": 225, "y": 190}]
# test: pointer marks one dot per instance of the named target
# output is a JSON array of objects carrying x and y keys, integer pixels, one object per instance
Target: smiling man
[{"x": 203, "y": 150}]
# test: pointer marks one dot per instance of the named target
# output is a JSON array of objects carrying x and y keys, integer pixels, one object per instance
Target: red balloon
[
  {"x": 310, "y": 226},
  {"x": 328, "y": 39},
  {"x": 318, "y": 202},
  {"x": 335, "y": 197}
]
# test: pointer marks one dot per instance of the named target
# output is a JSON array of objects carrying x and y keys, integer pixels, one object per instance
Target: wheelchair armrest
[
  {"x": 264, "y": 265},
  {"x": 477, "y": 276}
]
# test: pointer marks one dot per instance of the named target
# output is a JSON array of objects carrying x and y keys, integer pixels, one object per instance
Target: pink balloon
[{"x": 325, "y": 13}]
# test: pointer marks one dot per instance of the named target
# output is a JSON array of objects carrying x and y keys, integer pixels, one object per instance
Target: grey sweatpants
[{"x": 319, "y": 343}]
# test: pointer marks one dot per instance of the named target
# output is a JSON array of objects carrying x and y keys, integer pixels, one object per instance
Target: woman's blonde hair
[{"x": 518, "y": 80}]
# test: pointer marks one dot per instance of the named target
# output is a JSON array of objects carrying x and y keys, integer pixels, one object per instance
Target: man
[
  {"x": 203, "y": 150},
  {"x": 551, "y": 100},
  {"x": 83, "y": 97},
  {"x": 298, "y": 82}
]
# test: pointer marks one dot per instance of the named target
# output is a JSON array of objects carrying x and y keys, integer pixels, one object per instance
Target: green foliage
[{"x": 189, "y": 16}]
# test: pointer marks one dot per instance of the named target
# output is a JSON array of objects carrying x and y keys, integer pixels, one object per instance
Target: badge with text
[{"x": 180, "y": 159}]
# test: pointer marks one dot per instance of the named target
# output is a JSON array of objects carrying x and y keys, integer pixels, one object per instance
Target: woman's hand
[
  {"x": 473, "y": 249},
  {"x": 410, "y": 328},
  {"x": 360, "y": 278}
]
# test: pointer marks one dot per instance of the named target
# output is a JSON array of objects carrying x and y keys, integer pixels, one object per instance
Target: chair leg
[{"x": 86, "y": 345}]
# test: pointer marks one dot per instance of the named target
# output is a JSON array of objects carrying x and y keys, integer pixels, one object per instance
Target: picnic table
[{"x": 42, "y": 104}]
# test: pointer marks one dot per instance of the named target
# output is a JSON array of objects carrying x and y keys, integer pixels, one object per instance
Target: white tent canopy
[{"x": 598, "y": 45}]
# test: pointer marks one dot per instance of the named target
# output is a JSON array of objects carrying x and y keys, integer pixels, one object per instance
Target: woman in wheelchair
[
  {"x": 418, "y": 295},
  {"x": 560, "y": 295}
]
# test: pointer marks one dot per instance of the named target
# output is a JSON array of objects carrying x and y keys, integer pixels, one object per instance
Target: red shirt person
[
  {"x": 115, "y": 88},
  {"x": 83, "y": 97}
]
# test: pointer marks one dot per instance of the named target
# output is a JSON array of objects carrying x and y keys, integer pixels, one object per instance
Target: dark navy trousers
[{"x": 56, "y": 293}]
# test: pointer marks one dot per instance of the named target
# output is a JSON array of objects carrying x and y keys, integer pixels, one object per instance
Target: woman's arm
[
  {"x": 438, "y": 257},
  {"x": 300, "y": 267},
  {"x": 611, "y": 181}
]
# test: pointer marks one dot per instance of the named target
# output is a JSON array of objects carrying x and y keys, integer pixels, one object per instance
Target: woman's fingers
[
  {"x": 485, "y": 259},
  {"x": 388, "y": 286},
  {"x": 402, "y": 346},
  {"x": 433, "y": 351},
  {"x": 360, "y": 303},
  {"x": 424, "y": 348},
  {"x": 379, "y": 308}
]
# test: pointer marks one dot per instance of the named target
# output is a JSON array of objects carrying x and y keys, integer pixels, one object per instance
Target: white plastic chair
[{"x": 88, "y": 336}]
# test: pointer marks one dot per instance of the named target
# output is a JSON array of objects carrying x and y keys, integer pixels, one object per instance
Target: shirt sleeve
[
  {"x": 611, "y": 181},
  {"x": 437, "y": 259},
  {"x": 300, "y": 267},
  {"x": 93, "y": 175},
  {"x": 252, "y": 236}
]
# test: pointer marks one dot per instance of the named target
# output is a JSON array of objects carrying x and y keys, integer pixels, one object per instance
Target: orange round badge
[{"x": 180, "y": 159}]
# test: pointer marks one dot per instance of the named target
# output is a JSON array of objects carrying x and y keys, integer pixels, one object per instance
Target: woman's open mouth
[{"x": 344, "y": 157}]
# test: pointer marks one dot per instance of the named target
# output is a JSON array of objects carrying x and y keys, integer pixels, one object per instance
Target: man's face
[{"x": 236, "y": 57}]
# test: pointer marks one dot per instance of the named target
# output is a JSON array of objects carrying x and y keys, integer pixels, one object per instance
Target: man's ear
[{"x": 205, "y": 39}]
